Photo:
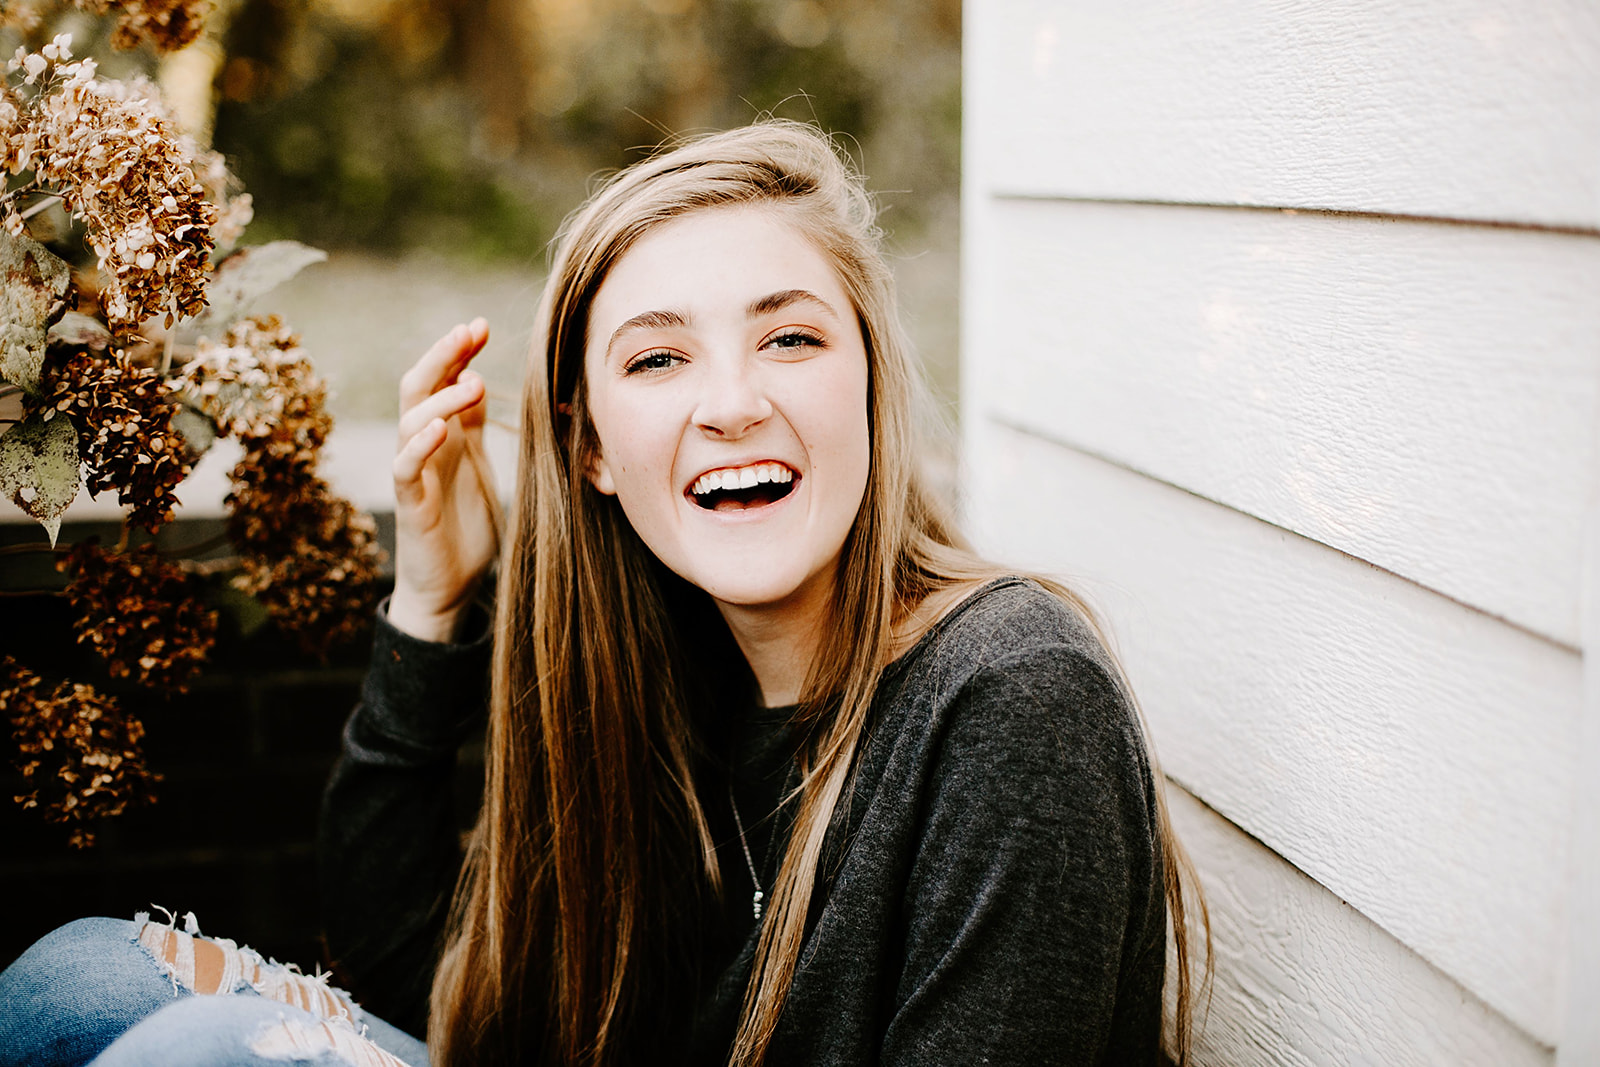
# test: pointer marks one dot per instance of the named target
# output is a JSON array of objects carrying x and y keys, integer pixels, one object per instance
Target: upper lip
[{"x": 738, "y": 464}]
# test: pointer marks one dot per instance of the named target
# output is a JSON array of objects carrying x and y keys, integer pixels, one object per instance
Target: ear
[{"x": 600, "y": 474}]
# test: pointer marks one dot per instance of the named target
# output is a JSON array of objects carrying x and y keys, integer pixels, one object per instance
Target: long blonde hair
[{"x": 591, "y": 864}]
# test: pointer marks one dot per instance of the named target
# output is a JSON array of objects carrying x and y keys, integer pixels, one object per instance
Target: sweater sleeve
[
  {"x": 1035, "y": 921},
  {"x": 389, "y": 851}
]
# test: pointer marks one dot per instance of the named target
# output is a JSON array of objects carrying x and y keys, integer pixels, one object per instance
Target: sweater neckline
[{"x": 763, "y": 715}]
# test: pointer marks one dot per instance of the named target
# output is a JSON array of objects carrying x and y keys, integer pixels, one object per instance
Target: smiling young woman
[
  {"x": 959, "y": 848},
  {"x": 778, "y": 772}
]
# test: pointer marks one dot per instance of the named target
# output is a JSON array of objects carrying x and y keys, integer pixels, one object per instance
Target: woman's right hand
[{"x": 446, "y": 532}]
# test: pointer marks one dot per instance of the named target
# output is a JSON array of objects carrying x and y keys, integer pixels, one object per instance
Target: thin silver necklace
[{"x": 749, "y": 861}]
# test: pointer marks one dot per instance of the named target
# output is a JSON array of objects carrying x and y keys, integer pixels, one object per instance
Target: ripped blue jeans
[{"x": 113, "y": 993}]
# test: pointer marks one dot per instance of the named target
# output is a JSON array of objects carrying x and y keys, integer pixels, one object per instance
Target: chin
[{"x": 761, "y": 585}]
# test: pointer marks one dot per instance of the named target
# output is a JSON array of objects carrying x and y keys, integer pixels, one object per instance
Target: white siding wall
[{"x": 1282, "y": 341}]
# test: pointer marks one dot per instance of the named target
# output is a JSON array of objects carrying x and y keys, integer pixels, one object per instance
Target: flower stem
[
  {"x": 34, "y": 209},
  {"x": 208, "y": 567}
]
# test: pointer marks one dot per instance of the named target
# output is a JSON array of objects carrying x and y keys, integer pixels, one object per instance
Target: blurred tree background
[{"x": 433, "y": 146}]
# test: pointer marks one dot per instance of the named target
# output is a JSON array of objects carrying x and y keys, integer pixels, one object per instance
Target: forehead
[{"x": 714, "y": 261}]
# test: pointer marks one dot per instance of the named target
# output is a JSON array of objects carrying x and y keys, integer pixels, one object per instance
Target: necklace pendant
[{"x": 755, "y": 903}]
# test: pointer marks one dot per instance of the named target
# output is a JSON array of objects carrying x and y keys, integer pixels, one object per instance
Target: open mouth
[{"x": 742, "y": 488}]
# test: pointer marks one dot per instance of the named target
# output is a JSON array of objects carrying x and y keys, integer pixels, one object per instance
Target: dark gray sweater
[{"x": 991, "y": 893}]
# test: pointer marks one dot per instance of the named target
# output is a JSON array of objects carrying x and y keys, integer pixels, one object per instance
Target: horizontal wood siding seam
[
  {"x": 1421, "y": 397},
  {"x": 1413, "y": 756},
  {"x": 1304, "y": 979},
  {"x": 1482, "y": 109},
  {"x": 1001, "y": 195},
  {"x": 999, "y": 419}
]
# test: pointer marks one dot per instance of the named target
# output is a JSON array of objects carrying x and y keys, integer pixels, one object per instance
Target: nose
[{"x": 731, "y": 401}]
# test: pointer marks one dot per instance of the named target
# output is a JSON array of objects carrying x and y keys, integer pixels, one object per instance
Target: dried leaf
[
  {"x": 199, "y": 433},
  {"x": 252, "y": 272},
  {"x": 39, "y": 468},
  {"x": 33, "y": 290},
  {"x": 77, "y": 330},
  {"x": 248, "y": 613}
]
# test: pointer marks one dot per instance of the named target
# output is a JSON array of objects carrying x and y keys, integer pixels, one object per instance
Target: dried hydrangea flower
[
  {"x": 115, "y": 157},
  {"x": 165, "y": 25},
  {"x": 77, "y": 748},
  {"x": 143, "y": 614},
  {"x": 125, "y": 434},
  {"x": 258, "y": 386},
  {"x": 320, "y": 589},
  {"x": 24, "y": 16},
  {"x": 308, "y": 556},
  {"x": 15, "y": 147}
]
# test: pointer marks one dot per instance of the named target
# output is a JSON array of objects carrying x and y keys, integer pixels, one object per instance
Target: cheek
[
  {"x": 844, "y": 440},
  {"x": 637, "y": 450}
]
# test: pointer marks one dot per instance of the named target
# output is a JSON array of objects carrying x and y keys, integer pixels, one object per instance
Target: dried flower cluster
[
  {"x": 320, "y": 590},
  {"x": 159, "y": 213},
  {"x": 14, "y": 143},
  {"x": 125, "y": 435},
  {"x": 258, "y": 386},
  {"x": 22, "y": 15},
  {"x": 144, "y": 615},
  {"x": 308, "y": 556},
  {"x": 77, "y": 748},
  {"x": 112, "y": 154},
  {"x": 165, "y": 25}
]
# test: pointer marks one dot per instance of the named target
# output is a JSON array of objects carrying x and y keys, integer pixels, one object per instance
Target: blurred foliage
[{"x": 475, "y": 125}]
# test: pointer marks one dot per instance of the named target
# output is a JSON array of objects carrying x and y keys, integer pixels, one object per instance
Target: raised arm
[
  {"x": 446, "y": 516},
  {"x": 388, "y": 842}
]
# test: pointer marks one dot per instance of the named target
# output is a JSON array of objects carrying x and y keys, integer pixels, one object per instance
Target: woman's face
[{"x": 727, "y": 383}]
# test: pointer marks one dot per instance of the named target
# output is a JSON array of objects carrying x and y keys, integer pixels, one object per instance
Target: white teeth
[{"x": 741, "y": 477}]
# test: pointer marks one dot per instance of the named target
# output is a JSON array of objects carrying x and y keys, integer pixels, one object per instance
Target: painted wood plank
[
  {"x": 1304, "y": 980},
  {"x": 1580, "y": 1038},
  {"x": 1479, "y": 109},
  {"x": 1414, "y": 756},
  {"x": 1420, "y": 395}
]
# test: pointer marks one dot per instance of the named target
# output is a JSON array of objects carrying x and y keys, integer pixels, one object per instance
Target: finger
[
  {"x": 441, "y": 363},
  {"x": 411, "y": 459},
  {"x": 445, "y": 404},
  {"x": 473, "y": 416}
]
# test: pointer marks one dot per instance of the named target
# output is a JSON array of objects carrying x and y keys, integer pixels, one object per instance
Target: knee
[
  {"x": 74, "y": 990},
  {"x": 70, "y": 948},
  {"x": 202, "y": 1031}
]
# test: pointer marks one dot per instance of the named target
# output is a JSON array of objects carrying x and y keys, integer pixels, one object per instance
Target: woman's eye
[
  {"x": 794, "y": 339},
  {"x": 659, "y": 360}
]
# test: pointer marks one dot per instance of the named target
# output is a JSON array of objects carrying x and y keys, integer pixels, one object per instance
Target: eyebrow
[
  {"x": 764, "y": 305},
  {"x": 647, "y": 320}
]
